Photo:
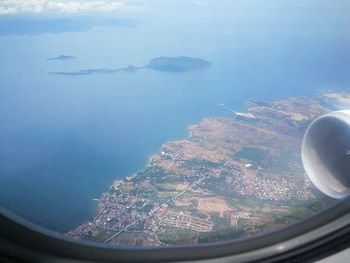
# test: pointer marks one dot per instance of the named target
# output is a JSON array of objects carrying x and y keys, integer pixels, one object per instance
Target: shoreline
[{"x": 208, "y": 152}]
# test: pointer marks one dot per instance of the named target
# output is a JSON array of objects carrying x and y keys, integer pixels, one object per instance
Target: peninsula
[
  {"x": 178, "y": 64},
  {"x": 232, "y": 177},
  {"x": 61, "y": 57},
  {"x": 165, "y": 64}
]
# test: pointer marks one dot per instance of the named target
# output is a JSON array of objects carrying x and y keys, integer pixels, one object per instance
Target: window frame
[{"x": 329, "y": 228}]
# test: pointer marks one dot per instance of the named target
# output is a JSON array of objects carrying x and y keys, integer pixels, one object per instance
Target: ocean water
[{"x": 64, "y": 139}]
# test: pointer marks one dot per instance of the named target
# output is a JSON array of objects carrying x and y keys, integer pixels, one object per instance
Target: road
[{"x": 156, "y": 209}]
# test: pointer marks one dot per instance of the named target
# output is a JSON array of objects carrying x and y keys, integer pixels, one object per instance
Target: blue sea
[{"x": 65, "y": 139}]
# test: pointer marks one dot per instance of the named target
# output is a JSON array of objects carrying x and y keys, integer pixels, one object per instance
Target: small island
[
  {"x": 166, "y": 64},
  {"x": 178, "y": 64},
  {"x": 61, "y": 57}
]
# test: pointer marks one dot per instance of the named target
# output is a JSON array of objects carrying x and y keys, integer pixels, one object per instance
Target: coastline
[{"x": 172, "y": 194}]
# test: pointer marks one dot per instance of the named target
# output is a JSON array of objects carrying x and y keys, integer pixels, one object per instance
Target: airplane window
[{"x": 165, "y": 123}]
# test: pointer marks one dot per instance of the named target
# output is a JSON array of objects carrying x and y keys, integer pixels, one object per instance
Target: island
[
  {"x": 233, "y": 177},
  {"x": 165, "y": 64},
  {"x": 61, "y": 57},
  {"x": 178, "y": 64}
]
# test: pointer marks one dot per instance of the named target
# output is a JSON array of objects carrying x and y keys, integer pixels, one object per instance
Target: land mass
[
  {"x": 61, "y": 57},
  {"x": 178, "y": 64},
  {"x": 12, "y": 25},
  {"x": 166, "y": 64},
  {"x": 232, "y": 177}
]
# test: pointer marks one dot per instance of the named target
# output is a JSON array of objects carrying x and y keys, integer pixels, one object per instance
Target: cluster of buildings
[
  {"x": 184, "y": 220},
  {"x": 269, "y": 189},
  {"x": 119, "y": 209},
  {"x": 212, "y": 205},
  {"x": 115, "y": 211}
]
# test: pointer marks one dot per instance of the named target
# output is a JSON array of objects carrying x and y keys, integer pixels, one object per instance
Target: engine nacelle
[{"x": 326, "y": 153}]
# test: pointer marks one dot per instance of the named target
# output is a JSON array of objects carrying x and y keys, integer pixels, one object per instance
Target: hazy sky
[
  {"x": 10, "y": 7},
  {"x": 282, "y": 14},
  {"x": 67, "y": 6}
]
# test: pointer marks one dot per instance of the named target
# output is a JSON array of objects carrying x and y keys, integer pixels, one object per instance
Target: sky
[
  {"x": 33, "y": 17},
  {"x": 95, "y": 7},
  {"x": 9, "y": 7}
]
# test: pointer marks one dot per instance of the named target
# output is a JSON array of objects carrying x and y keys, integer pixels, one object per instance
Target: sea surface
[{"x": 64, "y": 139}]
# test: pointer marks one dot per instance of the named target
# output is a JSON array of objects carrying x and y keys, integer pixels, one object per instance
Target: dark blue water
[{"x": 63, "y": 140}]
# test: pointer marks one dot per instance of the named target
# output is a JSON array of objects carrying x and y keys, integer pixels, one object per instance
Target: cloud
[
  {"x": 7, "y": 10},
  {"x": 8, "y": 7}
]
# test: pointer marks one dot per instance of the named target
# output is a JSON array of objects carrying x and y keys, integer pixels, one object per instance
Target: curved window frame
[{"x": 324, "y": 234}]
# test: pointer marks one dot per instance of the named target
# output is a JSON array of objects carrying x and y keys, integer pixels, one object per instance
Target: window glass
[{"x": 157, "y": 123}]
